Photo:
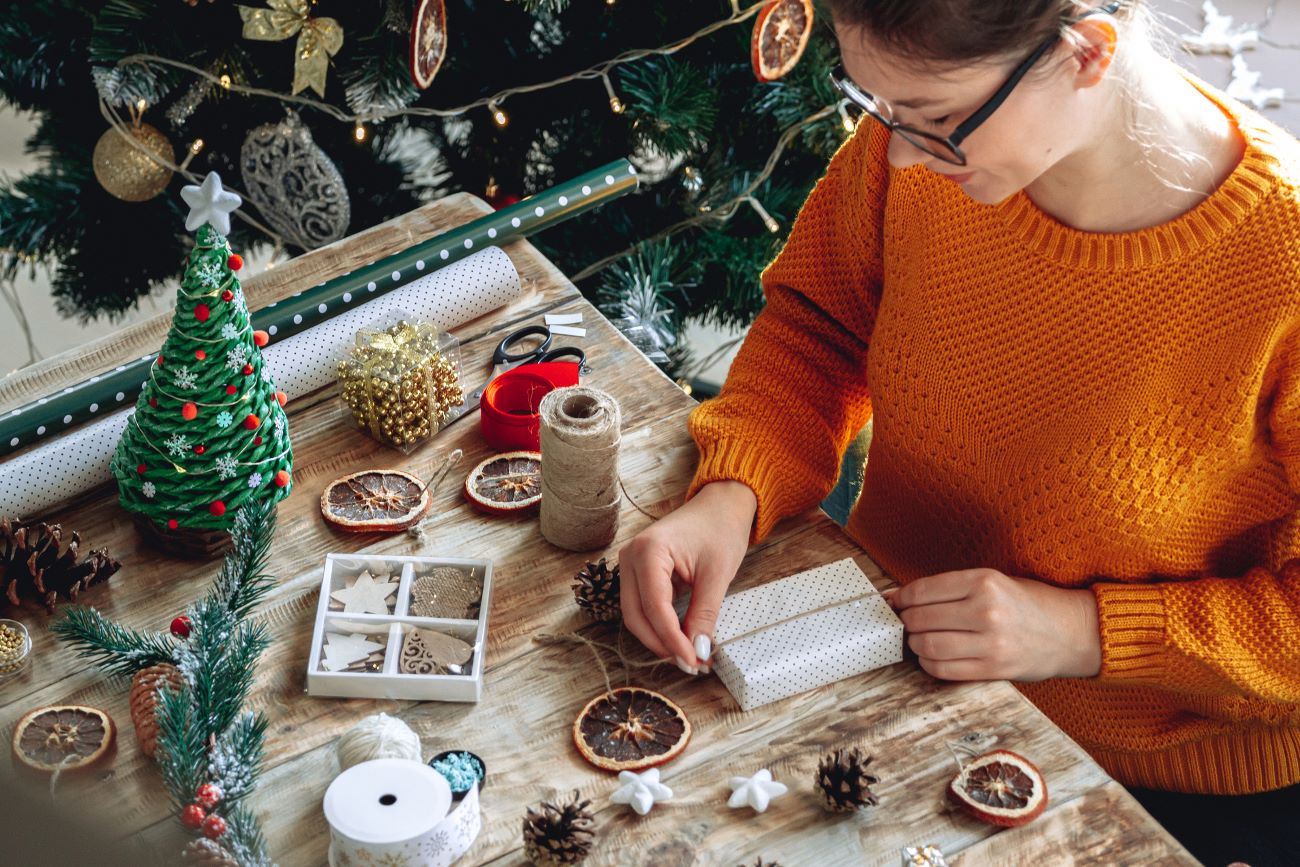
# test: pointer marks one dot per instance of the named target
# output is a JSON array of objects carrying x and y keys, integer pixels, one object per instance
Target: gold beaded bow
[{"x": 319, "y": 39}]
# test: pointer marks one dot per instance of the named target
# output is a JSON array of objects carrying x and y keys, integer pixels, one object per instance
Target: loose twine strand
[{"x": 550, "y": 638}]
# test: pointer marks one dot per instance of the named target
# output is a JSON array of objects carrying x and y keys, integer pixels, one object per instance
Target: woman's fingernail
[
  {"x": 689, "y": 669},
  {"x": 703, "y": 647}
]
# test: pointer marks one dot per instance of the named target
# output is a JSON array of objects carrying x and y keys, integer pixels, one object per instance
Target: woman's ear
[{"x": 1094, "y": 40}]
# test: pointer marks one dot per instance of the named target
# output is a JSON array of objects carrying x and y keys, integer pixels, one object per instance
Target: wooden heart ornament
[{"x": 425, "y": 651}]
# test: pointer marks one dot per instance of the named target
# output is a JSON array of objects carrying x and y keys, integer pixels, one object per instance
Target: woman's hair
[{"x": 962, "y": 31}]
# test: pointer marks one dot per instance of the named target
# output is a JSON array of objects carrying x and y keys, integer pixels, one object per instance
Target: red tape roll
[{"x": 508, "y": 413}]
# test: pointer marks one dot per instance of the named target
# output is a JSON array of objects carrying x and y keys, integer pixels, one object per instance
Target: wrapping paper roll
[
  {"x": 396, "y": 811},
  {"x": 77, "y": 461},
  {"x": 51, "y": 415}
]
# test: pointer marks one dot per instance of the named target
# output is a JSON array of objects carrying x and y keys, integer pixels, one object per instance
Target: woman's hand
[
  {"x": 699, "y": 546},
  {"x": 979, "y": 624}
]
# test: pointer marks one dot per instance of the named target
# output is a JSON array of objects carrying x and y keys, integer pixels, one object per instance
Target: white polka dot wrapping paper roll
[
  {"x": 66, "y": 465},
  {"x": 797, "y": 633}
]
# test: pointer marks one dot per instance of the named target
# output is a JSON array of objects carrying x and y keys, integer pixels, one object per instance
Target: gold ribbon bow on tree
[{"x": 319, "y": 39}]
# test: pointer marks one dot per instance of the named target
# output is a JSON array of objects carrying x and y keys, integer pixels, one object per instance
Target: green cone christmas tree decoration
[{"x": 209, "y": 433}]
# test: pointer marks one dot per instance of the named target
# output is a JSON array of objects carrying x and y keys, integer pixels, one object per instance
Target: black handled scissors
[{"x": 503, "y": 359}]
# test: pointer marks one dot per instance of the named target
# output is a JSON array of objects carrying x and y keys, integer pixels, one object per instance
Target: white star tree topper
[
  {"x": 641, "y": 791},
  {"x": 209, "y": 203},
  {"x": 755, "y": 792}
]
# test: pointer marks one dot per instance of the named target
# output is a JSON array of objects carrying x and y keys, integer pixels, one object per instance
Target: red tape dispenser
[{"x": 508, "y": 414}]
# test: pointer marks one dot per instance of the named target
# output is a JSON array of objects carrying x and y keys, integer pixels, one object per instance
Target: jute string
[
  {"x": 595, "y": 647},
  {"x": 580, "y": 429}
]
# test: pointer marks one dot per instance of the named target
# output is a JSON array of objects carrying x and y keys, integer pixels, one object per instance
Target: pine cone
[
  {"x": 208, "y": 853},
  {"x": 144, "y": 702},
  {"x": 32, "y": 564},
  {"x": 595, "y": 589},
  {"x": 843, "y": 781},
  {"x": 555, "y": 836}
]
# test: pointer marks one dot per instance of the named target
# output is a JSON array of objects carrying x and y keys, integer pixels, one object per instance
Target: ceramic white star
[
  {"x": 756, "y": 791},
  {"x": 641, "y": 791},
  {"x": 209, "y": 203},
  {"x": 365, "y": 596},
  {"x": 343, "y": 650}
]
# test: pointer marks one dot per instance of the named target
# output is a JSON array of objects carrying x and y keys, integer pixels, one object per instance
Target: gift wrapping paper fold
[{"x": 810, "y": 629}]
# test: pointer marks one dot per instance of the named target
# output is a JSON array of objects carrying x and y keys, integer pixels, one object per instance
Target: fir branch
[
  {"x": 234, "y": 761},
  {"x": 671, "y": 105},
  {"x": 378, "y": 81},
  {"x": 182, "y": 745},
  {"x": 110, "y": 646},
  {"x": 242, "y": 581},
  {"x": 243, "y": 838},
  {"x": 554, "y": 7}
]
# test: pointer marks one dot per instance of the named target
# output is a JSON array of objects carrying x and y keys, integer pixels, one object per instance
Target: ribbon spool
[
  {"x": 509, "y": 415},
  {"x": 580, "y": 433},
  {"x": 398, "y": 811}
]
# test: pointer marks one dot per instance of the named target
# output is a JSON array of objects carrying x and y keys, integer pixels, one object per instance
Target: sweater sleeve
[
  {"x": 797, "y": 393},
  {"x": 1235, "y": 637}
]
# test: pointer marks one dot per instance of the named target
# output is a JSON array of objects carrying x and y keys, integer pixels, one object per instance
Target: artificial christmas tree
[{"x": 209, "y": 434}]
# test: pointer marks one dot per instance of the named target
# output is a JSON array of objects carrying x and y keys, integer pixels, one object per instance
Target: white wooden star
[
  {"x": 209, "y": 203},
  {"x": 343, "y": 650},
  {"x": 641, "y": 791},
  {"x": 756, "y": 791},
  {"x": 365, "y": 596}
]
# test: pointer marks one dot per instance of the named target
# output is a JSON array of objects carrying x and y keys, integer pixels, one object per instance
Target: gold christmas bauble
[{"x": 127, "y": 172}]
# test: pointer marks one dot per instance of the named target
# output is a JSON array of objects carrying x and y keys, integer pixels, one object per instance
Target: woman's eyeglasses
[{"x": 948, "y": 148}]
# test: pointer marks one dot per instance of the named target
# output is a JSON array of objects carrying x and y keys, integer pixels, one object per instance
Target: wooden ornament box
[{"x": 391, "y": 629}]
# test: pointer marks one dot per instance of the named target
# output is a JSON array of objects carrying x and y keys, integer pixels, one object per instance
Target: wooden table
[{"x": 531, "y": 692}]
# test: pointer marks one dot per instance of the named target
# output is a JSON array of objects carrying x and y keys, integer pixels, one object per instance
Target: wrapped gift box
[{"x": 804, "y": 631}]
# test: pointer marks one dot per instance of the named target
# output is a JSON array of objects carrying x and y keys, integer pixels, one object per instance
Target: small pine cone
[
  {"x": 843, "y": 781},
  {"x": 595, "y": 589},
  {"x": 555, "y": 836},
  {"x": 208, "y": 853},
  {"x": 144, "y": 702}
]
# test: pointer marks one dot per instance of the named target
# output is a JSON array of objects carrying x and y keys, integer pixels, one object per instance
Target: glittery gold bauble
[{"x": 127, "y": 172}]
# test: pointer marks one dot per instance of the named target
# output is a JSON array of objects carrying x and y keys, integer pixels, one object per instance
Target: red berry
[
  {"x": 207, "y": 796},
  {"x": 160, "y": 361},
  {"x": 261, "y": 338},
  {"x": 181, "y": 629},
  {"x": 248, "y": 368},
  {"x": 257, "y": 441},
  {"x": 200, "y": 354},
  {"x": 153, "y": 401},
  {"x": 171, "y": 524},
  {"x": 230, "y": 389},
  {"x": 282, "y": 479},
  {"x": 201, "y": 312},
  {"x": 227, "y": 295},
  {"x": 189, "y": 412},
  {"x": 200, "y": 449},
  {"x": 213, "y": 827},
  {"x": 252, "y": 422},
  {"x": 217, "y": 508},
  {"x": 282, "y": 397},
  {"x": 140, "y": 468},
  {"x": 235, "y": 262},
  {"x": 193, "y": 816}
]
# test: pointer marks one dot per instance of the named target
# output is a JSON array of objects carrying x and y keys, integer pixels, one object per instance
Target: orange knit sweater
[{"x": 1114, "y": 411}]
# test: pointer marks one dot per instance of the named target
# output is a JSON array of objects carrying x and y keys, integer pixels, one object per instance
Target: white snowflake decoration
[
  {"x": 177, "y": 445},
  {"x": 279, "y": 424},
  {"x": 1218, "y": 35},
  {"x": 237, "y": 357},
  {"x": 229, "y": 331},
  {"x": 209, "y": 274},
  {"x": 185, "y": 378},
  {"x": 266, "y": 374},
  {"x": 254, "y": 480},
  {"x": 148, "y": 489},
  {"x": 1245, "y": 87},
  {"x": 226, "y": 467},
  {"x": 224, "y": 419}
]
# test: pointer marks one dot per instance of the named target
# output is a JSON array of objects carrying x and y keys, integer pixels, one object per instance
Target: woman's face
[{"x": 1029, "y": 133}]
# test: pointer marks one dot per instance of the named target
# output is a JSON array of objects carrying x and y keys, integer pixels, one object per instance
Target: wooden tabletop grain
[{"x": 531, "y": 692}]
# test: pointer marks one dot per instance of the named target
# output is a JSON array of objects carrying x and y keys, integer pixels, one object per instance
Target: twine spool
[
  {"x": 580, "y": 430},
  {"x": 377, "y": 737}
]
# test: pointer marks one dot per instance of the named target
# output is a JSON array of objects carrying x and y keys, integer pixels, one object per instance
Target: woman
[{"x": 1065, "y": 275}]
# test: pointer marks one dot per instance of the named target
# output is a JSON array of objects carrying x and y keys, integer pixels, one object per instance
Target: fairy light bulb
[
  {"x": 615, "y": 104},
  {"x": 768, "y": 220},
  {"x": 498, "y": 115},
  {"x": 225, "y": 81},
  {"x": 196, "y": 146},
  {"x": 359, "y": 132}
]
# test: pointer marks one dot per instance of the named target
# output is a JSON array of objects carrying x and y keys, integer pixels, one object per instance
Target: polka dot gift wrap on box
[{"x": 810, "y": 629}]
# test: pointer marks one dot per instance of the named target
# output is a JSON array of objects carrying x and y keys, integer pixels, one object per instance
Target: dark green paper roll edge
[{"x": 118, "y": 388}]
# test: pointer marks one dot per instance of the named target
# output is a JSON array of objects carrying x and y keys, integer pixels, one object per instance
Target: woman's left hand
[{"x": 979, "y": 624}]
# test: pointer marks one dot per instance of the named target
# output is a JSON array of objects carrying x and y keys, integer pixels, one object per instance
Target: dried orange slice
[
  {"x": 65, "y": 738},
  {"x": 506, "y": 484},
  {"x": 1001, "y": 788},
  {"x": 631, "y": 728},
  {"x": 375, "y": 501},
  {"x": 428, "y": 41},
  {"x": 781, "y": 34}
]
